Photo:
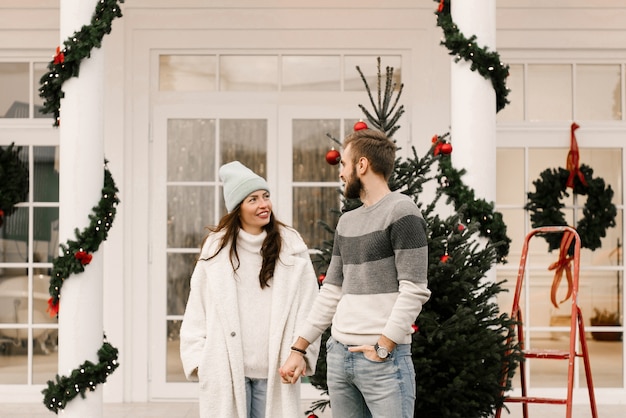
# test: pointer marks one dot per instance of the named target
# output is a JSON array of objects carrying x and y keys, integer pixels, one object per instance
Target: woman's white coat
[{"x": 210, "y": 335}]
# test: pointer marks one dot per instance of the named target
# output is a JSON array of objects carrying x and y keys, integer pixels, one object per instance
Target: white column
[
  {"x": 81, "y": 181},
  {"x": 473, "y": 101}
]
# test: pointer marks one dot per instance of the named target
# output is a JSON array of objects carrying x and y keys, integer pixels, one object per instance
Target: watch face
[{"x": 381, "y": 351}]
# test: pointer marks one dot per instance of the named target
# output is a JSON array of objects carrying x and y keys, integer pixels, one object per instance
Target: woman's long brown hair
[{"x": 270, "y": 249}]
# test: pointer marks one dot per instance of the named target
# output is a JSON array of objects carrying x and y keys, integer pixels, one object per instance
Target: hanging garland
[
  {"x": 66, "y": 62},
  {"x": 486, "y": 62},
  {"x": 86, "y": 377},
  {"x": 13, "y": 180},
  {"x": 491, "y": 224},
  {"x": 78, "y": 253}
]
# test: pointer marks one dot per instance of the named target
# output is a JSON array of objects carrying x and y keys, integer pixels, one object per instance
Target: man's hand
[{"x": 293, "y": 368}]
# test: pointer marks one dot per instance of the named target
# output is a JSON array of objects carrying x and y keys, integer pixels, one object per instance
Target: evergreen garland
[
  {"x": 13, "y": 180},
  {"x": 85, "y": 377},
  {"x": 486, "y": 62},
  {"x": 66, "y": 62},
  {"x": 546, "y": 208},
  {"x": 77, "y": 253}
]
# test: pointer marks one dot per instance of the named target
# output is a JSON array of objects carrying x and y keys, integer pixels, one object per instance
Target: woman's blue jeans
[
  {"x": 362, "y": 388},
  {"x": 256, "y": 394}
]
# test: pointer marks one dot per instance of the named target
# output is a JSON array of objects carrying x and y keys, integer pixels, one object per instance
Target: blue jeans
[
  {"x": 256, "y": 393},
  {"x": 362, "y": 388}
]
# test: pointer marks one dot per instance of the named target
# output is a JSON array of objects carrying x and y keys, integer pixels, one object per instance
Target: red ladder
[{"x": 576, "y": 333}]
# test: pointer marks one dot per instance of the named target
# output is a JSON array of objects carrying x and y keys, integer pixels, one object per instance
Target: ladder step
[
  {"x": 532, "y": 399},
  {"x": 547, "y": 354}
]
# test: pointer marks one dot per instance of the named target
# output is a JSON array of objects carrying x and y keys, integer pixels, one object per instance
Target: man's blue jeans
[
  {"x": 362, "y": 388},
  {"x": 256, "y": 395}
]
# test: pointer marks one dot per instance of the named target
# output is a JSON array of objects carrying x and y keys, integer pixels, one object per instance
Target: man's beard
[{"x": 353, "y": 187}]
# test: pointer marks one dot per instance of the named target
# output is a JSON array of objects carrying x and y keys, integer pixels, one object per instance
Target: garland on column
[
  {"x": 78, "y": 253},
  {"x": 13, "y": 180},
  {"x": 486, "y": 62},
  {"x": 66, "y": 62}
]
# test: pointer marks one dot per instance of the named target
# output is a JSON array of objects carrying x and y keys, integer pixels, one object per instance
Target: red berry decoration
[
  {"x": 360, "y": 125},
  {"x": 444, "y": 258},
  {"x": 446, "y": 148},
  {"x": 414, "y": 328},
  {"x": 333, "y": 157},
  {"x": 321, "y": 278}
]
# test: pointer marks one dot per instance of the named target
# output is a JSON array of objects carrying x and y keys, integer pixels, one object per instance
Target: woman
[{"x": 252, "y": 284}]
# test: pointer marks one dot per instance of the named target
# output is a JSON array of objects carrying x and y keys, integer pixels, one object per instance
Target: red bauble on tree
[
  {"x": 446, "y": 148},
  {"x": 444, "y": 258},
  {"x": 360, "y": 125},
  {"x": 333, "y": 157}
]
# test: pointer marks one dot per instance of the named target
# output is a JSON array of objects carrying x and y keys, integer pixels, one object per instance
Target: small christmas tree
[{"x": 462, "y": 357}]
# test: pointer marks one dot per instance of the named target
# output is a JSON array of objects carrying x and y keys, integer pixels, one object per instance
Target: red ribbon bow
[
  {"x": 59, "y": 58},
  {"x": 564, "y": 264},
  {"x": 53, "y": 308},
  {"x": 83, "y": 257},
  {"x": 573, "y": 159}
]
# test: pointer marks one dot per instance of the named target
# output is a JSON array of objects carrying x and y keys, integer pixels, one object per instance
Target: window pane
[
  {"x": 174, "y": 365},
  {"x": 46, "y": 175},
  {"x": 191, "y": 150},
  {"x": 13, "y": 358},
  {"x": 187, "y": 72},
  {"x": 189, "y": 212},
  {"x": 245, "y": 140},
  {"x": 14, "y": 237},
  {"x": 369, "y": 67},
  {"x": 14, "y": 86},
  {"x": 45, "y": 354},
  {"x": 311, "y": 73},
  {"x": 514, "y": 111},
  {"x": 549, "y": 92},
  {"x": 598, "y": 92},
  {"x": 510, "y": 176},
  {"x": 46, "y": 234},
  {"x": 310, "y": 145},
  {"x": 179, "y": 269},
  {"x": 39, "y": 69},
  {"x": 249, "y": 73},
  {"x": 312, "y": 205}
]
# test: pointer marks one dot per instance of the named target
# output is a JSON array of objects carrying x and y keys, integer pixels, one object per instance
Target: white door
[{"x": 286, "y": 144}]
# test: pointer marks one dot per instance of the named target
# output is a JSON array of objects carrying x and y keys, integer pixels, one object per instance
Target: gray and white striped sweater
[{"x": 376, "y": 282}]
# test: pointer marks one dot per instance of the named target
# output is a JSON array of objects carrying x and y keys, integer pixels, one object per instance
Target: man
[{"x": 374, "y": 290}]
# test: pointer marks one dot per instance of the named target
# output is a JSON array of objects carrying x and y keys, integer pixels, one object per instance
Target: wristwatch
[{"x": 381, "y": 352}]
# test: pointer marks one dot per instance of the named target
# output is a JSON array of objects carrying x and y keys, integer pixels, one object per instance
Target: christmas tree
[{"x": 462, "y": 357}]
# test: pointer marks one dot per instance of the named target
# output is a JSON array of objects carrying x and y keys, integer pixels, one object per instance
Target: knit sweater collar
[{"x": 250, "y": 242}]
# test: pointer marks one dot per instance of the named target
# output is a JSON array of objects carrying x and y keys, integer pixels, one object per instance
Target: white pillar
[
  {"x": 473, "y": 101},
  {"x": 81, "y": 181}
]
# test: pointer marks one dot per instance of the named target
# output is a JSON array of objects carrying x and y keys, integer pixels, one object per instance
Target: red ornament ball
[
  {"x": 312, "y": 416},
  {"x": 321, "y": 278},
  {"x": 360, "y": 125},
  {"x": 446, "y": 148},
  {"x": 414, "y": 328},
  {"x": 444, "y": 258},
  {"x": 333, "y": 157}
]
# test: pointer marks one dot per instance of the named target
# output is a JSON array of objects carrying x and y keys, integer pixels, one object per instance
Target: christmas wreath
[
  {"x": 546, "y": 207},
  {"x": 13, "y": 180}
]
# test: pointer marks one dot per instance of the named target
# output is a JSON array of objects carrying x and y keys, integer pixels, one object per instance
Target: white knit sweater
[{"x": 254, "y": 305}]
